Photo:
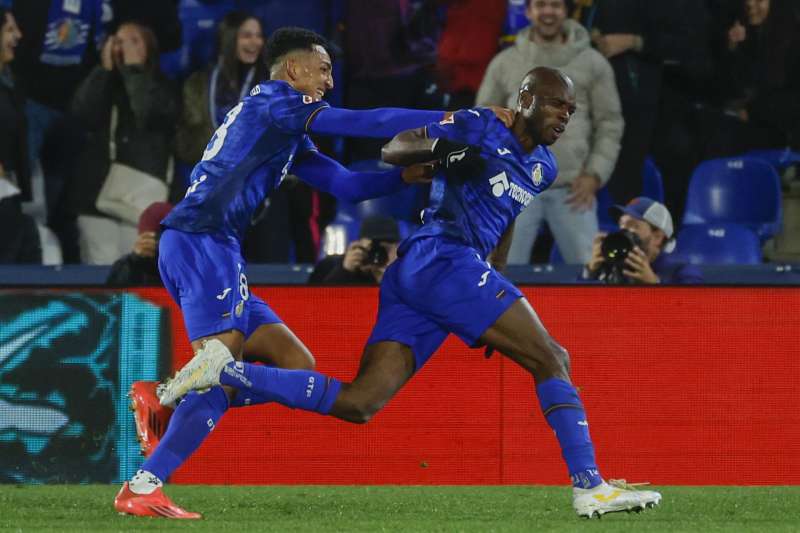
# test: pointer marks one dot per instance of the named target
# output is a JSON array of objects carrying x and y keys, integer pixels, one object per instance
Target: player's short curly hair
[{"x": 288, "y": 39}]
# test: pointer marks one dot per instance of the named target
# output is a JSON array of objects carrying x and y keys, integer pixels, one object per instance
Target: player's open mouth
[{"x": 558, "y": 130}]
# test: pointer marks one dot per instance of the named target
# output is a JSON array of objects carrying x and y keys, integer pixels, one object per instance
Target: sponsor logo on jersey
[
  {"x": 500, "y": 184},
  {"x": 503, "y": 151},
  {"x": 537, "y": 174},
  {"x": 448, "y": 120},
  {"x": 256, "y": 90},
  {"x": 520, "y": 195},
  {"x": 223, "y": 294},
  {"x": 476, "y": 113}
]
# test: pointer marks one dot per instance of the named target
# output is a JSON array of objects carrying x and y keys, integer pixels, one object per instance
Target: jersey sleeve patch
[
  {"x": 294, "y": 111},
  {"x": 466, "y": 126}
]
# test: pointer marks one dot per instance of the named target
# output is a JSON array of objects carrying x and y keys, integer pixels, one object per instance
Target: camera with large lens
[
  {"x": 615, "y": 249},
  {"x": 377, "y": 254}
]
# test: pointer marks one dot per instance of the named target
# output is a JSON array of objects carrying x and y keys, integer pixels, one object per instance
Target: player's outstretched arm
[
  {"x": 408, "y": 148},
  {"x": 328, "y": 175},
  {"x": 413, "y": 146},
  {"x": 382, "y": 122}
]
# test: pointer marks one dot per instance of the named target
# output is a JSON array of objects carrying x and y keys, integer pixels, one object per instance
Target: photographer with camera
[
  {"x": 638, "y": 252},
  {"x": 366, "y": 259}
]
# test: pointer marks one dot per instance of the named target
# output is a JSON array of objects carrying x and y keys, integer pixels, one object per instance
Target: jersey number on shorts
[{"x": 219, "y": 136}]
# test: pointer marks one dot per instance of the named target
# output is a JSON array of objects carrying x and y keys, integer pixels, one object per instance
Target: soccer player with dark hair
[
  {"x": 446, "y": 280},
  {"x": 262, "y": 139}
]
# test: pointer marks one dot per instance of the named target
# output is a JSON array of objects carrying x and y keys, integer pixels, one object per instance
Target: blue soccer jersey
[
  {"x": 248, "y": 156},
  {"x": 478, "y": 210},
  {"x": 442, "y": 283}
]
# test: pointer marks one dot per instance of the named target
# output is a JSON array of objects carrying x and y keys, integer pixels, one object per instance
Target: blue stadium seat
[
  {"x": 652, "y": 183},
  {"x": 742, "y": 190},
  {"x": 717, "y": 244},
  {"x": 780, "y": 159},
  {"x": 652, "y": 187},
  {"x": 345, "y": 228},
  {"x": 199, "y": 35}
]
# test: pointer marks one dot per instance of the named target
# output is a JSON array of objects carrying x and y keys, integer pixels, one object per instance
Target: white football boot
[
  {"x": 200, "y": 373},
  {"x": 612, "y": 496}
]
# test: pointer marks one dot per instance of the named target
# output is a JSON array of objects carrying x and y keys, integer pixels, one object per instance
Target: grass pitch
[{"x": 391, "y": 508}]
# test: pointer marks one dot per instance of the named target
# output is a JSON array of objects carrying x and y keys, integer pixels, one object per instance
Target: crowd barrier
[
  {"x": 682, "y": 386},
  {"x": 287, "y": 274}
]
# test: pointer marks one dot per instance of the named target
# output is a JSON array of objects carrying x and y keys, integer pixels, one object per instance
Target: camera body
[
  {"x": 615, "y": 249},
  {"x": 377, "y": 254}
]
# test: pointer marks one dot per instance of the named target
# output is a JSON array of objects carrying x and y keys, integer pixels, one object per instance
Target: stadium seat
[
  {"x": 717, "y": 244},
  {"x": 652, "y": 187},
  {"x": 741, "y": 190},
  {"x": 780, "y": 159},
  {"x": 345, "y": 228},
  {"x": 652, "y": 183}
]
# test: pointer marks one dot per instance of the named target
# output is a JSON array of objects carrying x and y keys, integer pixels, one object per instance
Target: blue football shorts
[
  {"x": 205, "y": 275},
  {"x": 439, "y": 287}
]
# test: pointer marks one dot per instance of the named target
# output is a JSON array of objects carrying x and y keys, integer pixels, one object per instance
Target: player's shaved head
[
  {"x": 540, "y": 78},
  {"x": 545, "y": 104}
]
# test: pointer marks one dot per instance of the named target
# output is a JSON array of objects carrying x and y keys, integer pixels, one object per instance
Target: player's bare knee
[
  {"x": 559, "y": 357},
  {"x": 362, "y": 411},
  {"x": 304, "y": 361}
]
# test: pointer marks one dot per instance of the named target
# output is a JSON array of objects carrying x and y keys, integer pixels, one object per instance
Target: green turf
[{"x": 285, "y": 509}]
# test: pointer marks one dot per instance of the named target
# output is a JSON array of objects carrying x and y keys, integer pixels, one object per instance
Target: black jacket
[
  {"x": 14, "y": 134},
  {"x": 330, "y": 271},
  {"x": 148, "y": 109},
  {"x": 134, "y": 270}
]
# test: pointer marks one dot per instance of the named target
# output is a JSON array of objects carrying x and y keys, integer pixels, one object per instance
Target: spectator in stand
[
  {"x": 587, "y": 151},
  {"x": 59, "y": 46},
  {"x": 20, "y": 243},
  {"x": 468, "y": 42},
  {"x": 14, "y": 164},
  {"x": 761, "y": 71},
  {"x": 365, "y": 260},
  {"x": 129, "y": 83},
  {"x": 688, "y": 99},
  {"x": 637, "y": 37},
  {"x": 649, "y": 224},
  {"x": 140, "y": 267},
  {"x": 209, "y": 94}
]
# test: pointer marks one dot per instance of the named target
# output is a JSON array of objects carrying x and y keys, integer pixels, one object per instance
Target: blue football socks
[
  {"x": 298, "y": 389},
  {"x": 564, "y": 412},
  {"x": 195, "y": 417},
  {"x": 247, "y": 399}
]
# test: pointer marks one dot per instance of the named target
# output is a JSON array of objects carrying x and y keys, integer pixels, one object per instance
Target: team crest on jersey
[
  {"x": 537, "y": 174},
  {"x": 307, "y": 99}
]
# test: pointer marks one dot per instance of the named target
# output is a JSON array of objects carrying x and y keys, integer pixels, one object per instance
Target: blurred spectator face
[
  {"x": 547, "y": 17},
  {"x": 757, "y": 11},
  {"x": 9, "y": 37},
  {"x": 131, "y": 44},
  {"x": 249, "y": 41},
  {"x": 312, "y": 73},
  {"x": 652, "y": 238}
]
